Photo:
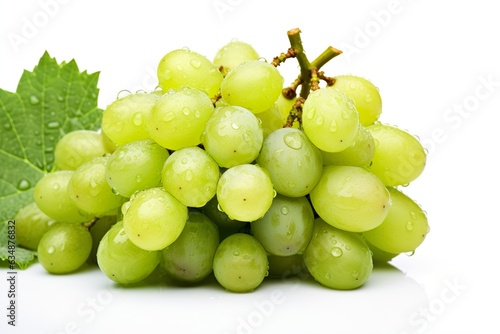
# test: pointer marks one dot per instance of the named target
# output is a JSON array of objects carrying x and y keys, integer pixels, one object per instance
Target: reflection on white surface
[{"x": 88, "y": 302}]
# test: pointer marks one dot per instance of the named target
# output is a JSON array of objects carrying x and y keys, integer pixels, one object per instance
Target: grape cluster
[{"x": 218, "y": 172}]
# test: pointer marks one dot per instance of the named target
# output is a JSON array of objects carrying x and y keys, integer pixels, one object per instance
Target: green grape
[
  {"x": 330, "y": 120},
  {"x": 178, "y": 119},
  {"x": 399, "y": 157},
  {"x": 253, "y": 84},
  {"x": 287, "y": 266},
  {"x": 124, "y": 120},
  {"x": 153, "y": 218},
  {"x": 350, "y": 198},
  {"x": 51, "y": 196},
  {"x": 293, "y": 162},
  {"x": 240, "y": 263},
  {"x": 286, "y": 228},
  {"x": 135, "y": 166},
  {"x": 64, "y": 248},
  {"x": 359, "y": 154},
  {"x": 233, "y": 136},
  {"x": 404, "y": 228},
  {"x": 245, "y": 192},
  {"x": 184, "y": 67},
  {"x": 31, "y": 225},
  {"x": 338, "y": 259},
  {"x": 190, "y": 257},
  {"x": 90, "y": 192},
  {"x": 121, "y": 260},
  {"x": 232, "y": 54},
  {"x": 97, "y": 231},
  {"x": 191, "y": 175},
  {"x": 271, "y": 120},
  {"x": 226, "y": 225},
  {"x": 78, "y": 147},
  {"x": 365, "y": 95}
]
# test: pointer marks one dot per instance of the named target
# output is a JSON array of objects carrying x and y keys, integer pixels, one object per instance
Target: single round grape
[
  {"x": 190, "y": 258},
  {"x": 293, "y": 162},
  {"x": 135, "y": 166},
  {"x": 184, "y": 67},
  {"x": 338, "y": 259},
  {"x": 191, "y": 175},
  {"x": 178, "y": 119},
  {"x": 51, "y": 196},
  {"x": 31, "y": 225},
  {"x": 359, "y": 154},
  {"x": 245, "y": 192},
  {"x": 253, "y": 84},
  {"x": 64, "y": 248},
  {"x": 365, "y": 95},
  {"x": 78, "y": 147},
  {"x": 124, "y": 120},
  {"x": 232, "y": 54},
  {"x": 90, "y": 191},
  {"x": 121, "y": 260},
  {"x": 153, "y": 218},
  {"x": 404, "y": 228},
  {"x": 399, "y": 157},
  {"x": 232, "y": 136},
  {"x": 330, "y": 120},
  {"x": 240, "y": 263},
  {"x": 350, "y": 198},
  {"x": 286, "y": 228}
]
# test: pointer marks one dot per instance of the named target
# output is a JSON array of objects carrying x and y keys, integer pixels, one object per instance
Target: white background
[{"x": 437, "y": 66}]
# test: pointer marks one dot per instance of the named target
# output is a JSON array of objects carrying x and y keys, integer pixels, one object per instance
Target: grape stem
[{"x": 309, "y": 71}]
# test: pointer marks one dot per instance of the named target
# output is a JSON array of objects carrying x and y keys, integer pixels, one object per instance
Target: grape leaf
[
  {"x": 23, "y": 257},
  {"x": 50, "y": 101}
]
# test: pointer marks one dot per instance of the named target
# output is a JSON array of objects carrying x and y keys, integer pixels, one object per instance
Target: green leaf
[
  {"x": 50, "y": 101},
  {"x": 23, "y": 257}
]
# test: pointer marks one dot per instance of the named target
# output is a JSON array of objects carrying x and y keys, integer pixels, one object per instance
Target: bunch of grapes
[{"x": 223, "y": 171}]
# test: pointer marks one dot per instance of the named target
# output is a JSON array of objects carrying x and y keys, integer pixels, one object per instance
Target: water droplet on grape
[
  {"x": 51, "y": 250},
  {"x": 138, "y": 119},
  {"x": 121, "y": 94},
  {"x": 299, "y": 163},
  {"x": 235, "y": 126},
  {"x": 23, "y": 185},
  {"x": 179, "y": 67},
  {"x": 284, "y": 210},
  {"x": 291, "y": 184},
  {"x": 189, "y": 175},
  {"x": 236, "y": 253},
  {"x": 328, "y": 276},
  {"x": 195, "y": 63},
  {"x": 409, "y": 225},
  {"x": 186, "y": 111},
  {"x": 333, "y": 126},
  {"x": 125, "y": 207},
  {"x": 319, "y": 120},
  {"x": 345, "y": 114},
  {"x": 56, "y": 186},
  {"x": 293, "y": 140},
  {"x": 274, "y": 193},
  {"x": 169, "y": 116},
  {"x": 220, "y": 208},
  {"x": 337, "y": 252},
  {"x": 138, "y": 178},
  {"x": 310, "y": 113},
  {"x": 368, "y": 98},
  {"x": 355, "y": 274},
  {"x": 34, "y": 100}
]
